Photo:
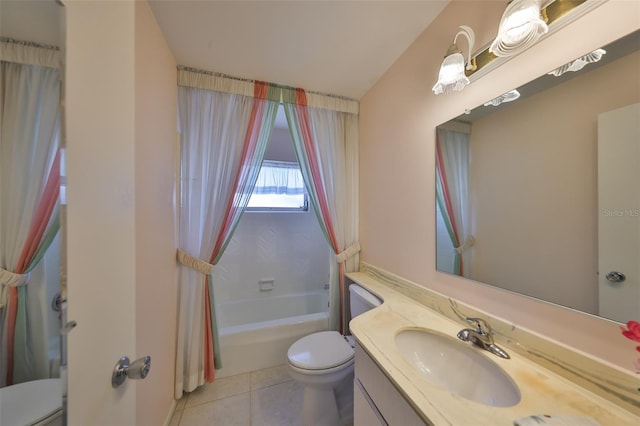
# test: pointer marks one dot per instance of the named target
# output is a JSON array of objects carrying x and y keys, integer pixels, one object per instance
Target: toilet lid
[
  {"x": 319, "y": 351},
  {"x": 26, "y": 403}
]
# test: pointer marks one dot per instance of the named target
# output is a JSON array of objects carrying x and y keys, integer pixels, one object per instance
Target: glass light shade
[
  {"x": 581, "y": 62},
  {"x": 511, "y": 95},
  {"x": 521, "y": 26},
  {"x": 451, "y": 77}
]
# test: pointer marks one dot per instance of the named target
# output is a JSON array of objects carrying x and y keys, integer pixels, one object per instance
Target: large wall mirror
[
  {"x": 539, "y": 194},
  {"x": 31, "y": 295}
]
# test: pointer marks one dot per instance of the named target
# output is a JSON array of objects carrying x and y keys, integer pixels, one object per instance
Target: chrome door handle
[
  {"x": 615, "y": 277},
  {"x": 138, "y": 369}
]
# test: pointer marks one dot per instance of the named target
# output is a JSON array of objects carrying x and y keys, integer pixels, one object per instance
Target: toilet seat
[
  {"x": 323, "y": 372},
  {"x": 320, "y": 352}
]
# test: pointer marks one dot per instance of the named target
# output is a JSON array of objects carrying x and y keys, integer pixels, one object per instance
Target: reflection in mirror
[
  {"x": 31, "y": 55},
  {"x": 517, "y": 188}
]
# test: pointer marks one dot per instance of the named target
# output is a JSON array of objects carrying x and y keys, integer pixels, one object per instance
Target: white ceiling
[{"x": 335, "y": 47}]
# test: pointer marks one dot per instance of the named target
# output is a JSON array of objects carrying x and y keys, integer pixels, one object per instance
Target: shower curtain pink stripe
[
  {"x": 38, "y": 226},
  {"x": 314, "y": 168},
  {"x": 447, "y": 196},
  {"x": 250, "y": 143},
  {"x": 43, "y": 214},
  {"x": 445, "y": 187}
]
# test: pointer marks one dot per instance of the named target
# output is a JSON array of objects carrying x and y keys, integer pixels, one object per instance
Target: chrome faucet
[{"x": 481, "y": 336}]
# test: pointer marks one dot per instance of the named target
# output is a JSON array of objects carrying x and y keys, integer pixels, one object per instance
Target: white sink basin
[{"x": 458, "y": 367}]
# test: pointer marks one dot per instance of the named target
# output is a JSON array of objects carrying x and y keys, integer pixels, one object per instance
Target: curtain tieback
[
  {"x": 348, "y": 253},
  {"x": 467, "y": 244},
  {"x": 11, "y": 279},
  {"x": 194, "y": 263}
]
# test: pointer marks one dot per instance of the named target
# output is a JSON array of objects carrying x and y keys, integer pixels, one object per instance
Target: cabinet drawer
[{"x": 394, "y": 409}]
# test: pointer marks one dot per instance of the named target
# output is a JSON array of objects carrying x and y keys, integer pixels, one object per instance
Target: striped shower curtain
[
  {"x": 452, "y": 193},
  {"x": 29, "y": 188},
  {"x": 225, "y": 125},
  {"x": 325, "y": 139}
]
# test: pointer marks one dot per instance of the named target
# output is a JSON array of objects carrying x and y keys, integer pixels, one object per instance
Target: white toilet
[
  {"x": 36, "y": 403},
  {"x": 323, "y": 362}
]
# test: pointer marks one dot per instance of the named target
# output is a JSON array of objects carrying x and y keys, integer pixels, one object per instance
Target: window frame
[{"x": 263, "y": 209}]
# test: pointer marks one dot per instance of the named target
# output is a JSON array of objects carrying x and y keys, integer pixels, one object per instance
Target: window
[{"x": 279, "y": 187}]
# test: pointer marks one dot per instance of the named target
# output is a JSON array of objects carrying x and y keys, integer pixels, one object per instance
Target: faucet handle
[{"x": 481, "y": 325}]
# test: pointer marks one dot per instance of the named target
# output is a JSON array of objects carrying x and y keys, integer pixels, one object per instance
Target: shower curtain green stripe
[
  {"x": 47, "y": 239},
  {"x": 289, "y": 98},
  {"x": 217, "y": 359},
  {"x": 23, "y": 357},
  {"x": 447, "y": 222},
  {"x": 322, "y": 145}
]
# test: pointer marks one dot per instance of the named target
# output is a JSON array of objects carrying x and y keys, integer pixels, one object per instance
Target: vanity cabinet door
[
  {"x": 365, "y": 412},
  {"x": 382, "y": 394}
]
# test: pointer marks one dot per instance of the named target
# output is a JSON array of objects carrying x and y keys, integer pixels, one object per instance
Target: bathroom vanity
[
  {"x": 540, "y": 377},
  {"x": 376, "y": 401}
]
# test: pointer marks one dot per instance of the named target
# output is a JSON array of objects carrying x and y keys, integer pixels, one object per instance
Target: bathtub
[{"x": 256, "y": 333}]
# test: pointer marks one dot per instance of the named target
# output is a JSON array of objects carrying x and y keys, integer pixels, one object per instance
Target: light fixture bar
[{"x": 555, "y": 11}]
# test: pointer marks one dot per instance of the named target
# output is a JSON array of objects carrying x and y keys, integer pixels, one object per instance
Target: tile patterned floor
[{"x": 261, "y": 398}]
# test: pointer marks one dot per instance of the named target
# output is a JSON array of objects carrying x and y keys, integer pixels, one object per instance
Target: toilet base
[{"x": 328, "y": 405}]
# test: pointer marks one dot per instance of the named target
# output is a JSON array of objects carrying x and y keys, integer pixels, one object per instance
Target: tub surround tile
[
  {"x": 547, "y": 373},
  {"x": 220, "y": 388}
]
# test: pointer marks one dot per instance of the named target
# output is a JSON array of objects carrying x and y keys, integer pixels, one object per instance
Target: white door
[
  {"x": 101, "y": 209},
  {"x": 619, "y": 213}
]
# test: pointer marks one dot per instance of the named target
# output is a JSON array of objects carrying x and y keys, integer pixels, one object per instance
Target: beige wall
[
  {"x": 156, "y": 151},
  {"x": 541, "y": 239},
  {"x": 39, "y": 21},
  {"x": 397, "y": 121},
  {"x": 121, "y": 139}
]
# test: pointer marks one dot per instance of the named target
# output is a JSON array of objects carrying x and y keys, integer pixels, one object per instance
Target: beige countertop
[{"x": 542, "y": 391}]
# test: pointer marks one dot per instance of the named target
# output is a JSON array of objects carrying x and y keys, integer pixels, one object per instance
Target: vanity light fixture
[
  {"x": 522, "y": 24},
  {"x": 511, "y": 95},
  {"x": 451, "y": 77},
  {"x": 581, "y": 62}
]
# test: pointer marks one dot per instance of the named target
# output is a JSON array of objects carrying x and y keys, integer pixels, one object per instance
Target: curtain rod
[
  {"x": 28, "y": 43},
  {"x": 248, "y": 80}
]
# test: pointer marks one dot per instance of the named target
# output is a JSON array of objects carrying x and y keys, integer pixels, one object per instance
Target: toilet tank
[{"x": 361, "y": 300}]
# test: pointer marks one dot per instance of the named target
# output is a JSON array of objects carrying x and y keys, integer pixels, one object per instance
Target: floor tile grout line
[
  {"x": 271, "y": 385},
  {"x": 217, "y": 399}
]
